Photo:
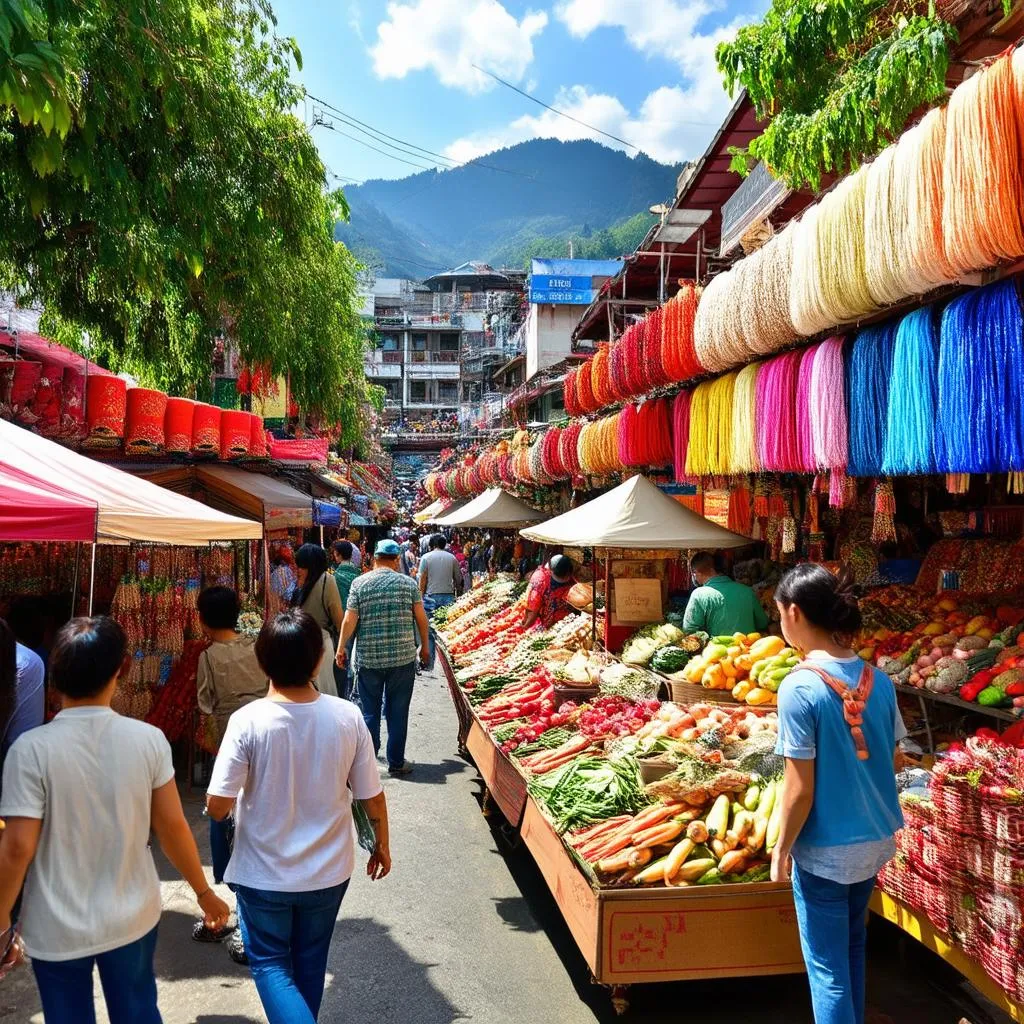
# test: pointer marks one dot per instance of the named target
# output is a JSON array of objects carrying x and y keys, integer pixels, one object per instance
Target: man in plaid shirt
[{"x": 384, "y": 612}]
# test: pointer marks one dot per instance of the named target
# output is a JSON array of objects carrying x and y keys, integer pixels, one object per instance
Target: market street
[{"x": 461, "y": 931}]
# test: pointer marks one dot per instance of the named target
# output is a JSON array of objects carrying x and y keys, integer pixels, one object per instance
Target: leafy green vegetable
[{"x": 589, "y": 790}]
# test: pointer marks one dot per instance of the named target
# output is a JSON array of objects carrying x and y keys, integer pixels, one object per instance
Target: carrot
[
  {"x": 627, "y": 858},
  {"x": 674, "y": 861},
  {"x": 658, "y": 835},
  {"x": 609, "y": 824}
]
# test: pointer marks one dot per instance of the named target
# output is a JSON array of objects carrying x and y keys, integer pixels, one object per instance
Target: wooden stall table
[
  {"x": 459, "y": 699},
  {"x": 505, "y": 784},
  {"x": 918, "y": 927},
  {"x": 632, "y": 936}
]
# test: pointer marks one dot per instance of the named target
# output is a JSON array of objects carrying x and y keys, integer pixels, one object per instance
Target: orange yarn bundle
[
  {"x": 584, "y": 388},
  {"x": 678, "y": 356},
  {"x": 600, "y": 377},
  {"x": 983, "y": 199}
]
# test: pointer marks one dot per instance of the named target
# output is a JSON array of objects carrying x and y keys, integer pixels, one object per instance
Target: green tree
[
  {"x": 155, "y": 188},
  {"x": 837, "y": 78}
]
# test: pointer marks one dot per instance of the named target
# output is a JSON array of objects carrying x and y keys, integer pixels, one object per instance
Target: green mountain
[{"x": 529, "y": 200}]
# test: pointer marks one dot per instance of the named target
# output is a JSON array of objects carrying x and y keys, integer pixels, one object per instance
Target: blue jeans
[
  {"x": 287, "y": 937},
  {"x": 343, "y": 676},
  {"x": 833, "y": 934},
  {"x": 431, "y": 602},
  {"x": 392, "y": 689},
  {"x": 126, "y": 973},
  {"x": 222, "y": 841}
]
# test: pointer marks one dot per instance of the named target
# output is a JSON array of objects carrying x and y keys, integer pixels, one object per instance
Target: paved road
[{"x": 465, "y": 930}]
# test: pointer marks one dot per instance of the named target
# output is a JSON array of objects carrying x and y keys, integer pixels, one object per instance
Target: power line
[
  {"x": 562, "y": 113},
  {"x": 331, "y": 127},
  {"x": 380, "y": 135},
  {"x": 382, "y": 139},
  {"x": 554, "y": 110}
]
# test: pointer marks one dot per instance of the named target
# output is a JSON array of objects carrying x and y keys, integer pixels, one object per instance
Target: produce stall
[{"x": 648, "y": 820}]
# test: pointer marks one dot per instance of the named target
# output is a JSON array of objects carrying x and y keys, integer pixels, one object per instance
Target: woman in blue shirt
[
  {"x": 22, "y": 690},
  {"x": 838, "y": 728}
]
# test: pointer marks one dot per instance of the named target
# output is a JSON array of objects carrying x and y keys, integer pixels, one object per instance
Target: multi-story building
[{"x": 437, "y": 344}]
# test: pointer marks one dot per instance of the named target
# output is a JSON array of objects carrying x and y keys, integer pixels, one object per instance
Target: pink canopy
[{"x": 36, "y": 510}]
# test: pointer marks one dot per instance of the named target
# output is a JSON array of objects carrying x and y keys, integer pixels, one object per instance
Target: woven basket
[
  {"x": 1003, "y": 823},
  {"x": 688, "y": 693},
  {"x": 652, "y": 769},
  {"x": 960, "y": 807}
]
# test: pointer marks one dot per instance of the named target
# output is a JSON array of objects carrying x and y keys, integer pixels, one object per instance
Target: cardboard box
[
  {"x": 503, "y": 779},
  {"x": 629, "y": 936}
]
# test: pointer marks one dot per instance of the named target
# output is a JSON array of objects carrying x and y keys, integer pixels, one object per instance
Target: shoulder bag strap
[{"x": 854, "y": 701}]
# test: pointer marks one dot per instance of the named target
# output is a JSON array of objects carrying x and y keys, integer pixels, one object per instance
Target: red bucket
[
  {"x": 257, "y": 437},
  {"x": 144, "y": 421},
  {"x": 105, "y": 404},
  {"x": 205, "y": 429},
  {"x": 72, "y": 402},
  {"x": 46, "y": 402},
  {"x": 178, "y": 425},
  {"x": 234, "y": 434}
]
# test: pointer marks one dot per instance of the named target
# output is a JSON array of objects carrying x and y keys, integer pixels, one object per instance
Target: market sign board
[
  {"x": 561, "y": 291},
  {"x": 637, "y": 602}
]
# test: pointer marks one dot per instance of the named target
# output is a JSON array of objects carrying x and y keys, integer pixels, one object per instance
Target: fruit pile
[{"x": 750, "y": 665}]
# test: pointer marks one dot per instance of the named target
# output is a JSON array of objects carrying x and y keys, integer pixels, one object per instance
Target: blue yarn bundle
[
  {"x": 867, "y": 397},
  {"x": 913, "y": 393},
  {"x": 980, "y": 425}
]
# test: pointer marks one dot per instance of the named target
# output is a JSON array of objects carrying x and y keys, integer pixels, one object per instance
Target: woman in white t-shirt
[
  {"x": 289, "y": 767},
  {"x": 80, "y": 797}
]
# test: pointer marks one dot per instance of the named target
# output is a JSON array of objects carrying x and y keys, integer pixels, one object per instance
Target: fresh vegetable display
[{"x": 642, "y": 645}]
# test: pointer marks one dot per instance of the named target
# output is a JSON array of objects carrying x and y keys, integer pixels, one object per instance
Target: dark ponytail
[
  {"x": 827, "y": 601},
  {"x": 8, "y": 674},
  {"x": 313, "y": 559}
]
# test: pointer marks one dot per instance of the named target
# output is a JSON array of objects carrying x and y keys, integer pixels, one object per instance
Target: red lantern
[
  {"x": 105, "y": 402},
  {"x": 144, "y": 421},
  {"x": 205, "y": 429},
  {"x": 45, "y": 403},
  {"x": 257, "y": 437},
  {"x": 178, "y": 425},
  {"x": 235, "y": 432}
]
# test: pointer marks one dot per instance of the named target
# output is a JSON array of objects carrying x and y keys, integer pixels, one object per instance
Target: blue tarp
[{"x": 326, "y": 513}]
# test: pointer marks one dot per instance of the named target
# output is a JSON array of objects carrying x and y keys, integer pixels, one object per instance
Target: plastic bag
[{"x": 365, "y": 834}]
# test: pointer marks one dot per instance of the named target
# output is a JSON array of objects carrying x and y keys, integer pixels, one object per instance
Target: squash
[{"x": 767, "y": 647}]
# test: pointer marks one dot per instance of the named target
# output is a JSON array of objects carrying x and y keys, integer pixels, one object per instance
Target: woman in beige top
[
  {"x": 228, "y": 675},
  {"x": 318, "y": 596}
]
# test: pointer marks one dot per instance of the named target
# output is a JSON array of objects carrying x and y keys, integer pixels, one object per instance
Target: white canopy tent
[
  {"x": 494, "y": 509},
  {"x": 445, "y": 511},
  {"x": 130, "y": 509},
  {"x": 636, "y": 514},
  {"x": 436, "y": 507}
]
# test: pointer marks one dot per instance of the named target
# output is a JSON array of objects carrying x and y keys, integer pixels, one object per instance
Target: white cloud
[
  {"x": 450, "y": 36},
  {"x": 665, "y": 127}
]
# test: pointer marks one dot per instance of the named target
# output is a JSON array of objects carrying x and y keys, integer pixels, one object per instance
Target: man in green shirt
[{"x": 720, "y": 606}]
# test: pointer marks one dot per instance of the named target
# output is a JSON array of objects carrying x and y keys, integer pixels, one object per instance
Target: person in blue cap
[{"x": 385, "y": 612}]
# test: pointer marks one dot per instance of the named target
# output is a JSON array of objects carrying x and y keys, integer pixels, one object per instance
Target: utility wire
[
  {"x": 380, "y": 136},
  {"x": 382, "y": 140},
  {"x": 331, "y": 127},
  {"x": 554, "y": 110}
]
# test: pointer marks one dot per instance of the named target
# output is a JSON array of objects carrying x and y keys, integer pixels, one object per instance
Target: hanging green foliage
[
  {"x": 156, "y": 189},
  {"x": 838, "y": 80}
]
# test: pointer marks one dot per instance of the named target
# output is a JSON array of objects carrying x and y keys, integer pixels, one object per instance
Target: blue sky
[{"x": 639, "y": 69}]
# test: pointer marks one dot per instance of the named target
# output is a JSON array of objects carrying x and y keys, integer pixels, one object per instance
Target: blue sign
[{"x": 561, "y": 291}]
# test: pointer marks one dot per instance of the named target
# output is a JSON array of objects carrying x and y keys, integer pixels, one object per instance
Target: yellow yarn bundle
[
  {"x": 744, "y": 441},
  {"x": 698, "y": 449}
]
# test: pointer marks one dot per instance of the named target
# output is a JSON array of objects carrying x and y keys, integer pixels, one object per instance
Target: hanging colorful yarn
[
  {"x": 568, "y": 445},
  {"x": 711, "y": 326},
  {"x": 569, "y": 395},
  {"x": 883, "y": 525},
  {"x": 537, "y": 472},
  {"x": 678, "y": 356},
  {"x": 913, "y": 395},
  {"x": 882, "y": 230},
  {"x": 764, "y": 307},
  {"x": 744, "y": 437},
  {"x": 598, "y": 447},
  {"x": 617, "y": 366},
  {"x": 584, "y": 389},
  {"x": 868, "y": 376},
  {"x": 550, "y": 461},
  {"x": 720, "y": 395},
  {"x": 983, "y": 201},
  {"x": 980, "y": 425},
  {"x": 681, "y": 432},
  {"x": 918, "y": 255},
  {"x": 829, "y": 280},
  {"x": 655, "y": 430},
  {"x": 804, "y": 429},
  {"x": 628, "y": 437},
  {"x": 654, "y": 330},
  {"x": 775, "y": 423},
  {"x": 600, "y": 377},
  {"x": 698, "y": 458},
  {"x": 828, "y": 406}
]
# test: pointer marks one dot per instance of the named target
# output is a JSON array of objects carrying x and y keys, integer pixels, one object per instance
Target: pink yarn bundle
[
  {"x": 804, "y": 430},
  {"x": 681, "y": 432},
  {"x": 777, "y": 447},
  {"x": 628, "y": 434},
  {"x": 828, "y": 406}
]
